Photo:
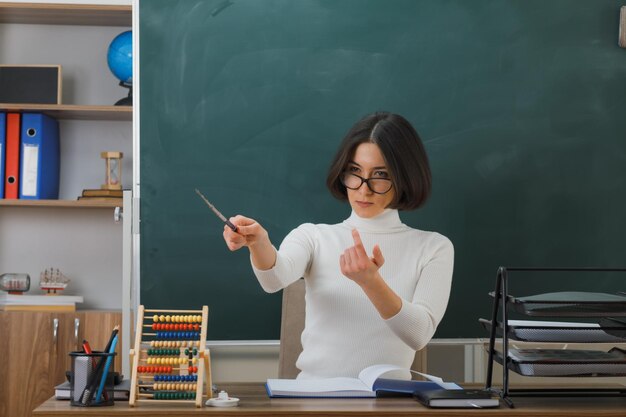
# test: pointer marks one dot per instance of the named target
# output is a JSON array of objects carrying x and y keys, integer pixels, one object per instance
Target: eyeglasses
[{"x": 376, "y": 185}]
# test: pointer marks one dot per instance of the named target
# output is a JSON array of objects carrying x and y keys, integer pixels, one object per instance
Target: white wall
[
  {"x": 80, "y": 50},
  {"x": 84, "y": 244}
]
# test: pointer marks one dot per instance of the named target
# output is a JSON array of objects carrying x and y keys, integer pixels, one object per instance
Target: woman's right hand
[{"x": 249, "y": 233}]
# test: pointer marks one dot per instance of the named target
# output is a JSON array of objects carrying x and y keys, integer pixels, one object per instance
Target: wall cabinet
[{"x": 34, "y": 352}]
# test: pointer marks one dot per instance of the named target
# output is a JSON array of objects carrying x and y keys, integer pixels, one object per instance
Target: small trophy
[{"x": 113, "y": 170}]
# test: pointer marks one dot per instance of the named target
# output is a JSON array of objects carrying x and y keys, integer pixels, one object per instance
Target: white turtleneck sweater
[{"x": 343, "y": 331}]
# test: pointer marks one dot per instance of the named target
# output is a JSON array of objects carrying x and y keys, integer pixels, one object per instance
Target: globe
[{"x": 120, "y": 57}]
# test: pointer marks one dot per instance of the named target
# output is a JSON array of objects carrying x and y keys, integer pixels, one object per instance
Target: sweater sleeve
[
  {"x": 417, "y": 320},
  {"x": 293, "y": 259}
]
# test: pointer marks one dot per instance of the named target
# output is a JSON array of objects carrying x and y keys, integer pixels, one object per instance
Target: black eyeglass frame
[{"x": 366, "y": 181}]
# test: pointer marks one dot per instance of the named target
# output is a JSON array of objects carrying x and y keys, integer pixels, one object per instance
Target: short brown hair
[{"x": 402, "y": 150}]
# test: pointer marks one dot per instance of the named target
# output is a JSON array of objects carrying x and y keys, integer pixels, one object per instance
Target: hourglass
[{"x": 113, "y": 170}]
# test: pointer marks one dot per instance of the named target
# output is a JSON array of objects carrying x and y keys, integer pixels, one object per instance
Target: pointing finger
[
  {"x": 358, "y": 244},
  {"x": 357, "y": 237}
]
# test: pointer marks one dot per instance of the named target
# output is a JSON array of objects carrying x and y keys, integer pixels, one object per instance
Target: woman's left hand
[{"x": 356, "y": 265}]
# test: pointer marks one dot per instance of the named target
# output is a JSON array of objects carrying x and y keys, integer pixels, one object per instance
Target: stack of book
[
  {"x": 97, "y": 194},
  {"x": 15, "y": 302},
  {"x": 121, "y": 391}
]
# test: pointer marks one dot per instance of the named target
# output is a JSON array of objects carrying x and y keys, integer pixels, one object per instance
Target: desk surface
[{"x": 254, "y": 402}]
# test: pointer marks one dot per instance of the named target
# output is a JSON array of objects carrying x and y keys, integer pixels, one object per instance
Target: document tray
[
  {"x": 560, "y": 333},
  {"x": 570, "y": 304},
  {"x": 565, "y": 362}
]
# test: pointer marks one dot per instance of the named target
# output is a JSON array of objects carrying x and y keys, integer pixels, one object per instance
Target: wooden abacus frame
[{"x": 203, "y": 385}]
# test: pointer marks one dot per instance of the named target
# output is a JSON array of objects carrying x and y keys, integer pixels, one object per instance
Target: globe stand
[{"x": 128, "y": 100}]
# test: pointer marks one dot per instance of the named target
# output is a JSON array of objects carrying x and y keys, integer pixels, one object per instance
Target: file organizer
[
  {"x": 169, "y": 361},
  {"x": 608, "y": 309},
  {"x": 12, "y": 156},
  {"x": 39, "y": 157},
  {"x": 3, "y": 149}
]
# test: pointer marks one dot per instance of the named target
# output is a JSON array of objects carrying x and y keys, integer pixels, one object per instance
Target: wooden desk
[{"x": 254, "y": 402}]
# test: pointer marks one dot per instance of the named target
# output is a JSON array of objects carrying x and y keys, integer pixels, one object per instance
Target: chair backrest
[{"x": 292, "y": 325}]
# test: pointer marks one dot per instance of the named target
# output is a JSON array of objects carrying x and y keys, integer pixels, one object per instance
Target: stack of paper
[{"x": 15, "y": 302}]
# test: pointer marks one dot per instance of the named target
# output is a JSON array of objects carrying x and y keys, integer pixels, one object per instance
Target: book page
[
  {"x": 439, "y": 381},
  {"x": 370, "y": 374}
]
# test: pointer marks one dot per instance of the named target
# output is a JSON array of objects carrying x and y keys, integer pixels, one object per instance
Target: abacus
[{"x": 169, "y": 361}]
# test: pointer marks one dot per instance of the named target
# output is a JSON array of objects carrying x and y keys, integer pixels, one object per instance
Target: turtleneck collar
[{"x": 385, "y": 222}]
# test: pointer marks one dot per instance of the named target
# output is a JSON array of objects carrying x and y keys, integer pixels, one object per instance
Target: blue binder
[
  {"x": 3, "y": 146},
  {"x": 39, "y": 157}
]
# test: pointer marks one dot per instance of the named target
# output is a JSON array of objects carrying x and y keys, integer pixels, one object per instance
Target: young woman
[{"x": 376, "y": 289}]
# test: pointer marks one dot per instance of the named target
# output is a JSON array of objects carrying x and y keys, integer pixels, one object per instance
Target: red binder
[{"x": 11, "y": 184}]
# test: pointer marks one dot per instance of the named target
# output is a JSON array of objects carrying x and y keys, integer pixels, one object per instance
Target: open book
[{"x": 368, "y": 384}]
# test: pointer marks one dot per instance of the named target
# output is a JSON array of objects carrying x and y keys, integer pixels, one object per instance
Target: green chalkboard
[{"x": 521, "y": 105}]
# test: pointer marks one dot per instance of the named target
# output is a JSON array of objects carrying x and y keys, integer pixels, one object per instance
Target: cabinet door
[
  {"x": 96, "y": 328},
  {"x": 5, "y": 337},
  {"x": 31, "y": 358}
]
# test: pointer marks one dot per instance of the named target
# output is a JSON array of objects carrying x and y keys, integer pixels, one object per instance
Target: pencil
[
  {"x": 105, "y": 372},
  {"x": 91, "y": 385},
  {"x": 88, "y": 351}
]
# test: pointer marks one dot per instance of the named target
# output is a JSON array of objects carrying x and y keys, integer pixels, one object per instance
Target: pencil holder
[{"x": 88, "y": 387}]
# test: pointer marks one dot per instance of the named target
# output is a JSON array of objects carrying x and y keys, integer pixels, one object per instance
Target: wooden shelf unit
[
  {"x": 61, "y": 203},
  {"x": 66, "y": 14},
  {"x": 27, "y": 337},
  {"x": 74, "y": 112}
]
